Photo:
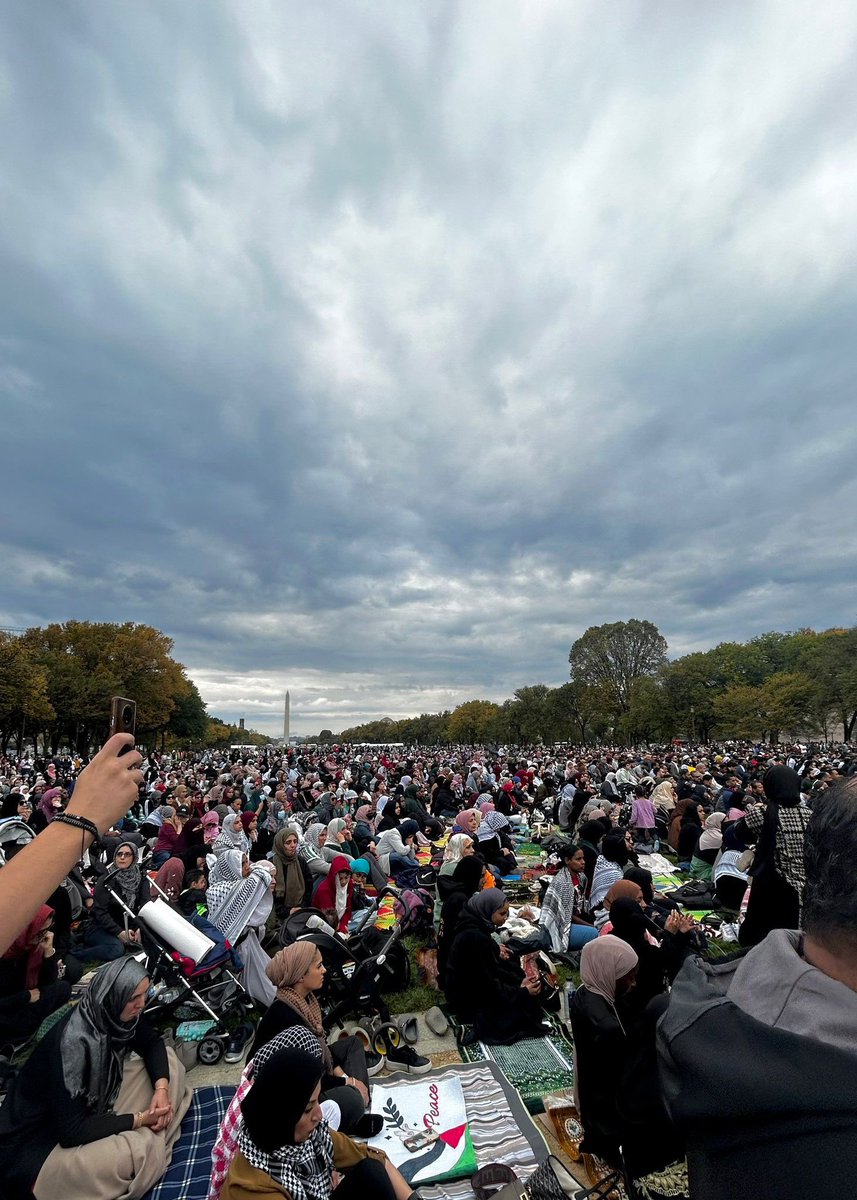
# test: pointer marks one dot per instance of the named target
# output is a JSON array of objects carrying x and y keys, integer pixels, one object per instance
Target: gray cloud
[{"x": 377, "y": 350}]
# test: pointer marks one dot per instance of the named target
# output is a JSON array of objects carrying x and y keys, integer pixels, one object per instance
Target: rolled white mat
[{"x": 175, "y": 930}]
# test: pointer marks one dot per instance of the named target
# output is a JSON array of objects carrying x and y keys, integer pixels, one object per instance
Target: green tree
[
  {"x": 787, "y": 698},
  {"x": 532, "y": 713},
  {"x": 830, "y": 659},
  {"x": 613, "y": 656},
  {"x": 86, "y": 663},
  {"x": 472, "y": 721},
  {"x": 650, "y": 716},
  {"x": 218, "y": 733},
  {"x": 739, "y": 712},
  {"x": 575, "y": 709},
  {"x": 23, "y": 691},
  {"x": 188, "y": 723}
]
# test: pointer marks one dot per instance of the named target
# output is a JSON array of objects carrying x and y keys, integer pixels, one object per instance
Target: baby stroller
[
  {"x": 194, "y": 966},
  {"x": 357, "y": 968},
  {"x": 13, "y": 833}
]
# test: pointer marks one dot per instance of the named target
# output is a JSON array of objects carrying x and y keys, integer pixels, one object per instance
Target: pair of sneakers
[{"x": 391, "y": 1043}]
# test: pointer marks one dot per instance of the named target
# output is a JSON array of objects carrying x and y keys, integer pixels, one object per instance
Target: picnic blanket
[
  {"x": 425, "y": 1133},
  {"x": 190, "y": 1170},
  {"x": 499, "y": 1127}
]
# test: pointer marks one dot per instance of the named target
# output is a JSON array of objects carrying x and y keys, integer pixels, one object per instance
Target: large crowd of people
[{"x": 737, "y": 1065}]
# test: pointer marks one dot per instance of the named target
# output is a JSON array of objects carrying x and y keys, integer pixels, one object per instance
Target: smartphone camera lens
[{"x": 126, "y": 716}]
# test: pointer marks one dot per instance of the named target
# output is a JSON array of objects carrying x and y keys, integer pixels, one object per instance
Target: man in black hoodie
[{"x": 758, "y": 1057}]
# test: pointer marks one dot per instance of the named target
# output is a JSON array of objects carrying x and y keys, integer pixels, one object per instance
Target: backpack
[{"x": 414, "y": 907}]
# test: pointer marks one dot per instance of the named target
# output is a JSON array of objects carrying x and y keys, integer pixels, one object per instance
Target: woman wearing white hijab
[
  {"x": 708, "y": 847},
  {"x": 232, "y": 835},
  {"x": 238, "y": 892}
]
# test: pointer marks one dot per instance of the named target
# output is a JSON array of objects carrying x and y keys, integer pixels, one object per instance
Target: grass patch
[{"x": 416, "y": 998}]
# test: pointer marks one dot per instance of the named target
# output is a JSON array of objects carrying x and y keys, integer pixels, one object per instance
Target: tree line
[
  {"x": 56, "y": 683},
  {"x": 624, "y": 688}
]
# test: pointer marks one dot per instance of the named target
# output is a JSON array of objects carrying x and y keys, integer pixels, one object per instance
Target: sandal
[
  {"x": 437, "y": 1022},
  {"x": 410, "y": 1030}
]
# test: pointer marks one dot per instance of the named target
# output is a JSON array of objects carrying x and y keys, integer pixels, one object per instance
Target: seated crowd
[{"x": 663, "y": 1031}]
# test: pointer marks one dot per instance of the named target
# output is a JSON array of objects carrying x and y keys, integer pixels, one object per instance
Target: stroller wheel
[
  {"x": 387, "y": 1037},
  {"x": 210, "y": 1051}
]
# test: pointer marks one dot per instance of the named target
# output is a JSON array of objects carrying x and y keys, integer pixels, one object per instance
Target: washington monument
[{"x": 286, "y": 722}]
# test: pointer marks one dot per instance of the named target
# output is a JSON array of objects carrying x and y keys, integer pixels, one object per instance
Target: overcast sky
[{"x": 376, "y": 350}]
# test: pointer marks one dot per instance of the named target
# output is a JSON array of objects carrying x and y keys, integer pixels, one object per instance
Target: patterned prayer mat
[{"x": 533, "y": 1066}]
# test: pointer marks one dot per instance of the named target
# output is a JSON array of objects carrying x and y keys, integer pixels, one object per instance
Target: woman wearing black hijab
[
  {"x": 465, "y": 881},
  {"x": 286, "y": 1149},
  {"x": 659, "y": 961},
  {"x": 484, "y": 986},
  {"x": 658, "y": 907},
  {"x": 589, "y": 838},
  {"x": 689, "y": 833},
  {"x": 16, "y": 805},
  {"x": 777, "y": 830},
  {"x": 391, "y": 817}
]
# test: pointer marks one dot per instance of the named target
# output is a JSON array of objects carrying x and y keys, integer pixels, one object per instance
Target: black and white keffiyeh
[
  {"x": 231, "y": 905},
  {"x": 303, "y": 1169}
]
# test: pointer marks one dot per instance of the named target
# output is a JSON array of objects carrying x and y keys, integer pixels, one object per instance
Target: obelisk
[{"x": 286, "y": 722}]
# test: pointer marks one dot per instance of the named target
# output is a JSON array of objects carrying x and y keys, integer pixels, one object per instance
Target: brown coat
[{"x": 245, "y": 1182}]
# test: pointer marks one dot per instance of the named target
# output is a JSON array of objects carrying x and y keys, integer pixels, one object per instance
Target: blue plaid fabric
[{"x": 190, "y": 1170}]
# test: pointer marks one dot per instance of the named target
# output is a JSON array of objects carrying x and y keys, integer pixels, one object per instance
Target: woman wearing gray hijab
[
  {"x": 311, "y": 849},
  {"x": 81, "y": 1120},
  {"x": 336, "y": 842},
  {"x": 108, "y": 936},
  {"x": 485, "y": 985}
]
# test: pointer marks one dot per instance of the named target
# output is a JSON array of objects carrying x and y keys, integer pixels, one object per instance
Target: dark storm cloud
[{"x": 378, "y": 350}]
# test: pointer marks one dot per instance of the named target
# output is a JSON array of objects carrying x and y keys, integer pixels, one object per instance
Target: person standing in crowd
[
  {"x": 784, "y": 1016},
  {"x": 778, "y": 875}
]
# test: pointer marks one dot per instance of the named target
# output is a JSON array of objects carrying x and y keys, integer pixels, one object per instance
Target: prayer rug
[
  {"x": 533, "y": 1066},
  {"x": 190, "y": 1170}
]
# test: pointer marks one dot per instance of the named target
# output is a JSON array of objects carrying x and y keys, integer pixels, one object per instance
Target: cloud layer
[{"x": 375, "y": 350}]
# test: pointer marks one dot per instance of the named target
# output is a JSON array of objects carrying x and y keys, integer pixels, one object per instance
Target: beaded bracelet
[{"x": 82, "y": 823}]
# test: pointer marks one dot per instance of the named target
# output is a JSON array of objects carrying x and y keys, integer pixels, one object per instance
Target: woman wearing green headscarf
[{"x": 293, "y": 889}]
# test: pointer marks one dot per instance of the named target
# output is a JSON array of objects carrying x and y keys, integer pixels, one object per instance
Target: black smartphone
[{"x": 123, "y": 718}]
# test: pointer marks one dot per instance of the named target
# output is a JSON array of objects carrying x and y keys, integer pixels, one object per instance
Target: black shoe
[
  {"x": 369, "y": 1125},
  {"x": 374, "y": 1063},
  {"x": 405, "y": 1058},
  {"x": 238, "y": 1043}
]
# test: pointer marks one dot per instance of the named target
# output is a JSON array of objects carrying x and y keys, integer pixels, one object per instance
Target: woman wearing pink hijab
[
  {"x": 467, "y": 821},
  {"x": 210, "y": 827},
  {"x": 50, "y": 804}
]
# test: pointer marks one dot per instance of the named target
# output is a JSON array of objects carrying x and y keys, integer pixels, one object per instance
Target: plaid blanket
[{"x": 189, "y": 1172}]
